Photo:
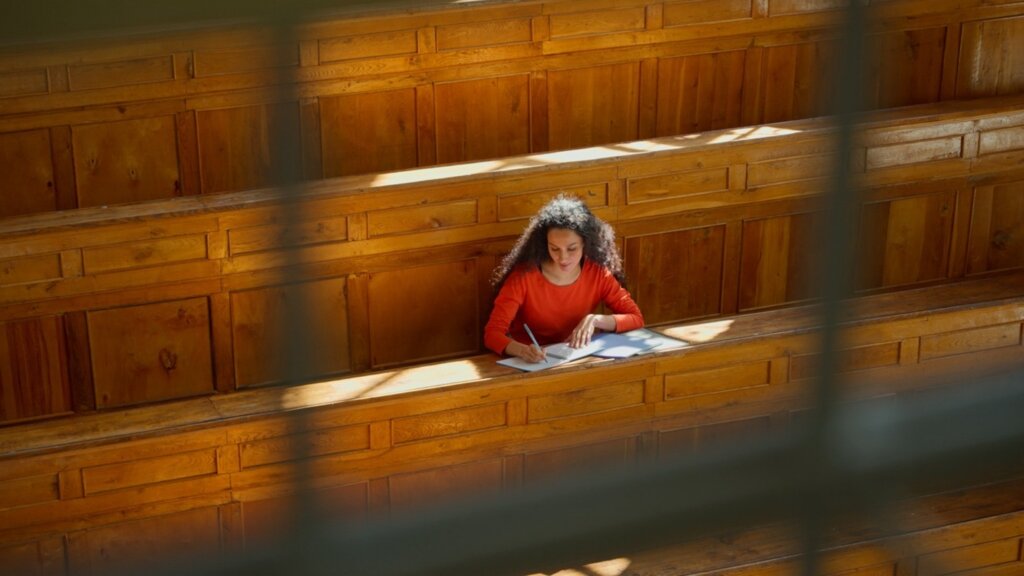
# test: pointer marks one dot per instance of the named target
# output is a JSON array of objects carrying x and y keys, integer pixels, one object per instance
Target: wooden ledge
[{"x": 179, "y": 416}]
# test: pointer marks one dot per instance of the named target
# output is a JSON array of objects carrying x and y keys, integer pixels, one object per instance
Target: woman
[{"x": 562, "y": 266}]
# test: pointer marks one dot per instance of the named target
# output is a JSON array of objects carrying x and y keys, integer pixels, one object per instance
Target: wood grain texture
[
  {"x": 480, "y": 119},
  {"x": 365, "y": 133},
  {"x": 26, "y": 173},
  {"x": 163, "y": 350},
  {"x": 798, "y": 80},
  {"x": 778, "y": 260},
  {"x": 991, "y": 60},
  {"x": 269, "y": 519},
  {"x": 997, "y": 240},
  {"x": 700, "y": 93},
  {"x": 33, "y": 369},
  {"x": 583, "y": 112},
  {"x": 420, "y": 488},
  {"x": 244, "y": 148}
]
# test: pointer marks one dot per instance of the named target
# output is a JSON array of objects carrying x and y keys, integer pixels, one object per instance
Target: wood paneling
[
  {"x": 548, "y": 465},
  {"x": 121, "y": 73},
  {"x": 991, "y": 58},
  {"x": 320, "y": 443},
  {"x": 373, "y": 132},
  {"x": 969, "y": 557},
  {"x": 694, "y": 12},
  {"x": 690, "y": 440},
  {"x": 273, "y": 518},
  {"x": 582, "y": 111},
  {"x": 147, "y": 544},
  {"x": 429, "y": 486},
  {"x": 247, "y": 147},
  {"x": 589, "y": 400},
  {"x": 439, "y": 320},
  {"x": 905, "y": 68},
  {"x": 127, "y": 161},
  {"x": 779, "y": 260},
  {"x": 43, "y": 558},
  {"x": 367, "y": 45},
  {"x": 260, "y": 329},
  {"x": 798, "y": 80},
  {"x": 33, "y": 369},
  {"x": 908, "y": 240},
  {"x": 435, "y": 424},
  {"x": 480, "y": 119},
  {"x": 488, "y": 33},
  {"x": 26, "y": 173},
  {"x": 597, "y": 22},
  {"x": 676, "y": 275},
  {"x": 963, "y": 341},
  {"x": 997, "y": 229},
  {"x": 700, "y": 93},
  {"x": 150, "y": 353}
]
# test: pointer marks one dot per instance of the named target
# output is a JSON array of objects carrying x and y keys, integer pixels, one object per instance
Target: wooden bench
[
  {"x": 217, "y": 472},
  {"x": 184, "y": 298}
]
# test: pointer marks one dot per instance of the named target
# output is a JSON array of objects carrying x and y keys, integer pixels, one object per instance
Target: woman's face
[{"x": 565, "y": 248}]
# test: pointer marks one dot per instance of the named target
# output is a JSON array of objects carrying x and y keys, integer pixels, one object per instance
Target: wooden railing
[
  {"x": 154, "y": 116},
  {"x": 103, "y": 308},
  {"x": 218, "y": 473}
]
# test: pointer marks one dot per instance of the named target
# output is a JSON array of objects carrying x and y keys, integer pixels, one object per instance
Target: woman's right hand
[{"x": 528, "y": 353}]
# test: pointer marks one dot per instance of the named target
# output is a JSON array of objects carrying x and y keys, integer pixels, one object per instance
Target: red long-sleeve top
[{"x": 553, "y": 311}]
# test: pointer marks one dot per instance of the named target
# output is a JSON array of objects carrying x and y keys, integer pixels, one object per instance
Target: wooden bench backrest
[{"x": 143, "y": 117}]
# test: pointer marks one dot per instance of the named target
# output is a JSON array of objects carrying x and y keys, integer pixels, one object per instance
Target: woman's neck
[{"x": 556, "y": 276}]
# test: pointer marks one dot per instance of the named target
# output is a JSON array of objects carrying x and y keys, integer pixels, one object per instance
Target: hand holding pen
[{"x": 533, "y": 353}]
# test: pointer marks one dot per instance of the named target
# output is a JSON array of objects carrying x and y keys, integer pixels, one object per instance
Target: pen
[{"x": 534, "y": 340}]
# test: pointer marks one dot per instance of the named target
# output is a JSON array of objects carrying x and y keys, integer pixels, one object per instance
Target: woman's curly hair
[{"x": 568, "y": 212}]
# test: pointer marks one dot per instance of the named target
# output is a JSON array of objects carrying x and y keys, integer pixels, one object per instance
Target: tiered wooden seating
[
  {"x": 181, "y": 113},
  {"x": 105, "y": 308},
  {"x": 217, "y": 473}
]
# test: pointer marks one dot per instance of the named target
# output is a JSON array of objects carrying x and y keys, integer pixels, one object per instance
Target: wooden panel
[
  {"x": 435, "y": 424},
  {"x": 151, "y": 352},
  {"x": 690, "y": 440},
  {"x": 148, "y": 471},
  {"x": 1004, "y": 140},
  {"x": 676, "y": 275},
  {"x": 139, "y": 254},
  {"x": 999, "y": 214},
  {"x": 26, "y": 173},
  {"x": 33, "y": 369},
  {"x": 788, "y": 170},
  {"x": 963, "y": 341},
  {"x": 261, "y": 238},
  {"x": 216, "y": 62},
  {"x": 270, "y": 518},
  {"x": 585, "y": 401},
  {"x": 438, "y": 484},
  {"x": 26, "y": 491},
  {"x": 597, "y": 22},
  {"x": 31, "y": 269},
  {"x": 548, "y": 465},
  {"x": 907, "y": 240},
  {"x": 778, "y": 260},
  {"x": 40, "y": 558},
  {"x": 521, "y": 206},
  {"x": 121, "y": 73},
  {"x": 729, "y": 378},
  {"x": 368, "y": 45},
  {"x": 373, "y": 132},
  {"x": 146, "y": 544},
  {"x": 991, "y": 59},
  {"x": 779, "y": 7},
  {"x": 320, "y": 443},
  {"x": 700, "y": 93},
  {"x": 914, "y": 152},
  {"x": 488, "y": 33},
  {"x": 487, "y": 118},
  {"x": 583, "y": 111},
  {"x": 127, "y": 161},
  {"x": 862, "y": 358},
  {"x": 676, "y": 184},
  {"x": 905, "y": 67},
  {"x": 259, "y": 327},
  {"x": 420, "y": 218},
  {"x": 24, "y": 83},
  {"x": 440, "y": 320},
  {"x": 968, "y": 557},
  {"x": 238, "y": 147},
  {"x": 798, "y": 80},
  {"x": 700, "y": 11}
]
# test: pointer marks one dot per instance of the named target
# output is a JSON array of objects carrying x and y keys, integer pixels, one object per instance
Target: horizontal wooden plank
[
  {"x": 787, "y": 170},
  {"x": 914, "y": 152},
  {"x": 216, "y": 62},
  {"x": 259, "y": 238},
  {"x": 446, "y": 423},
  {"x": 24, "y": 83},
  {"x": 121, "y": 73},
  {"x": 489, "y": 33},
  {"x": 28, "y": 491},
  {"x": 676, "y": 185},
  {"x": 521, "y": 206},
  {"x": 151, "y": 253},
  {"x": 1002, "y": 140},
  {"x": 320, "y": 443},
  {"x": 964, "y": 341},
  {"x": 32, "y": 269},
  {"x": 419, "y": 218},
  {"x": 368, "y": 45},
  {"x": 737, "y": 377},
  {"x": 588, "y": 400},
  {"x": 862, "y": 358},
  {"x": 694, "y": 12},
  {"x": 596, "y": 22},
  {"x": 136, "y": 473}
]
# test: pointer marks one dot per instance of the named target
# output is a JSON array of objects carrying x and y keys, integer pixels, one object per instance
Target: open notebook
[{"x": 604, "y": 344}]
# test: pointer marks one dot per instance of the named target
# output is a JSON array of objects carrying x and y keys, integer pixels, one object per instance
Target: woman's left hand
[{"x": 584, "y": 331}]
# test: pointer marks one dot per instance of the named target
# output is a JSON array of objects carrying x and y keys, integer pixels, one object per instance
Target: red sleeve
[
  {"x": 506, "y": 306},
  {"x": 625, "y": 311}
]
